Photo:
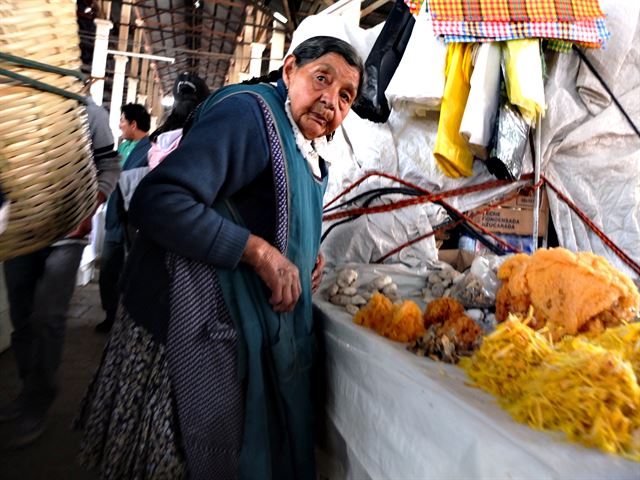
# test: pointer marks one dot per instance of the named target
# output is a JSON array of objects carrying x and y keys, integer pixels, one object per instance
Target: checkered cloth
[
  {"x": 514, "y": 11},
  {"x": 560, "y": 46},
  {"x": 579, "y": 21}
]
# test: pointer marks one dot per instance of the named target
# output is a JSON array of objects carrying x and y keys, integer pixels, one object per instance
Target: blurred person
[
  {"x": 189, "y": 91},
  {"x": 135, "y": 122},
  {"x": 39, "y": 286},
  {"x": 207, "y": 372}
]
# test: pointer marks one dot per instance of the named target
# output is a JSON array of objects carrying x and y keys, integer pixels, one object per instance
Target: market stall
[
  {"x": 585, "y": 141},
  {"x": 430, "y": 163},
  {"x": 391, "y": 414}
]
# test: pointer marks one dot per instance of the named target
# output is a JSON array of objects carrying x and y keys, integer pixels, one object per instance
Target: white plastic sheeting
[
  {"x": 418, "y": 83},
  {"x": 394, "y": 415},
  {"x": 336, "y": 26},
  {"x": 362, "y": 146}
]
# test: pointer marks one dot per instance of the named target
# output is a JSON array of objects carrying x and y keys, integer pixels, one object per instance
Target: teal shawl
[{"x": 277, "y": 350}]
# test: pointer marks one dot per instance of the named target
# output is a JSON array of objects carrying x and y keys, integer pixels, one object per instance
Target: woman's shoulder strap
[{"x": 263, "y": 90}]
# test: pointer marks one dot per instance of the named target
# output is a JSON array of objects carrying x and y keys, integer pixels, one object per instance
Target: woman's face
[{"x": 321, "y": 93}]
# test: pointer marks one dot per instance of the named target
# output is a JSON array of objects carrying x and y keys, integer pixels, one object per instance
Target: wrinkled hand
[
  {"x": 316, "y": 275},
  {"x": 280, "y": 275}
]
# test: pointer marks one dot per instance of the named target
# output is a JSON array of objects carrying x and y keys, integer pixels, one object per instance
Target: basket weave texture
[{"x": 46, "y": 166}]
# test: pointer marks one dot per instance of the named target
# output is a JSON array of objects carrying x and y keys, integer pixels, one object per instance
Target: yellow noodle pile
[
  {"x": 584, "y": 387},
  {"x": 402, "y": 323},
  {"x": 589, "y": 393},
  {"x": 510, "y": 353},
  {"x": 624, "y": 339}
]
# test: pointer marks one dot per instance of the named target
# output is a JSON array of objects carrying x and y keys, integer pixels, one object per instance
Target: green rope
[
  {"x": 25, "y": 62},
  {"x": 42, "y": 86}
]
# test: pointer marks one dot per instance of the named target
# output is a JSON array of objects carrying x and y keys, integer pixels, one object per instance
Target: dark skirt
[{"x": 128, "y": 420}]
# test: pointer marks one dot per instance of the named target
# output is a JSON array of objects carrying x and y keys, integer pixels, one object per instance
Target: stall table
[{"x": 390, "y": 414}]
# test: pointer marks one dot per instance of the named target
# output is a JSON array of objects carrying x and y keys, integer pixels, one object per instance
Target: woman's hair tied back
[{"x": 190, "y": 85}]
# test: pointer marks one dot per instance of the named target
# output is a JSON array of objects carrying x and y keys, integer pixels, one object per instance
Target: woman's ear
[{"x": 288, "y": 69}]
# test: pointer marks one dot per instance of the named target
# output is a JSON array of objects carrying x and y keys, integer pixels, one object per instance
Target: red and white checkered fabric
[{"x": 580, "y": 21}]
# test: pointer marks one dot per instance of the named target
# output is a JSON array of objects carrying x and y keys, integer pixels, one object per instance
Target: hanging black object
[{"x": 382, "y": 63}]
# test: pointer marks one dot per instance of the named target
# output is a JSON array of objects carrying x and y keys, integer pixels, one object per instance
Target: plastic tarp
[
  {"x": 362, "y": 146},
  {"x": 393, "y": 415}
]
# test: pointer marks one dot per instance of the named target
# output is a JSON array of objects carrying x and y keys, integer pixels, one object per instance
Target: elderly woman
[{"x": 207, "y": 371}]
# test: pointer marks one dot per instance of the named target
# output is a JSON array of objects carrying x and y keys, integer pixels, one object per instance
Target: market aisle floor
[{"x": 53, "y": 456}]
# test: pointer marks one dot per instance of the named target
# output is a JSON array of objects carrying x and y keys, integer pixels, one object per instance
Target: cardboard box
[
  {"x": 458, "y": 259},
  {"x": 516, "y": 216}
]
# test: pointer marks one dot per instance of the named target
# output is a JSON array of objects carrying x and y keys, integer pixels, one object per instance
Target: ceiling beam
[
  {"x": 183, "y": 27},
  {"x": 374, "y": 6}
]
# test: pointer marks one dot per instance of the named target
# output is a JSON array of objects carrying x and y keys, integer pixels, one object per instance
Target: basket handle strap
[{"x": 25, "y": 62}]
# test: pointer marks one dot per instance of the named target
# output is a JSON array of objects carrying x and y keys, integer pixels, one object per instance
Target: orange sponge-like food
[
  {"x": 441, "y": 309},
  {"x": 570, "y": 292},
  {"x": 402, "y": 323}
]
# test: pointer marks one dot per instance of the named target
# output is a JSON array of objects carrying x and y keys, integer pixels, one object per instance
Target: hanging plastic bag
[
  {"x": 382, "y": 63},
  {"x": 479, "y": 285},
  {"x": 481, "y": 110},
  {"x": 509, "y": 143},
  {"x": 418, "y": 82}
]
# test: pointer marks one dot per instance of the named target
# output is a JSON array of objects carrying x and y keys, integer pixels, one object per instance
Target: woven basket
[{"x": 46, "y": 167}]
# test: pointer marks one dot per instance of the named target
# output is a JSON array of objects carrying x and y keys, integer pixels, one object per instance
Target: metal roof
[{"x": 202, "y": 36}]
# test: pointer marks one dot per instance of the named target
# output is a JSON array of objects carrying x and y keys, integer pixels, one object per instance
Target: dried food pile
[
  {"x": 565, "y": 355},
  {"x": 570, "y": 292},
  {"x": 400, "y": 322},
  {"x": 586, "y": 387}
]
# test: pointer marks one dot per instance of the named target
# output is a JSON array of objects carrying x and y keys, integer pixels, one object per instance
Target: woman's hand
[
  {"x": 316, "y": 275},
  {"x": 280, "y": 275}
]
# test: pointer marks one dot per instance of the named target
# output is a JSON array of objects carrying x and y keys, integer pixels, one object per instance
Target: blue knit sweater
[{"x": 225, "y": 154}]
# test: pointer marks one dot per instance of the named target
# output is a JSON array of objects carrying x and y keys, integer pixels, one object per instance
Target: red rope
[
  {"x": 450, "y": 193},
  {"x": 427, "y": 197},
  {"x": 424, "y": 198},
  {"x": 439, "y": 197},
  {"x": 451, "y": 225},
  {"x": 606, "y": 240}
]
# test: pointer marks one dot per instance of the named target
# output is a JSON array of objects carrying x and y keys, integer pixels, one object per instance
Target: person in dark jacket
[
  {"x": 135, "y": 123},
  {"x": 207, "y": 373}
]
